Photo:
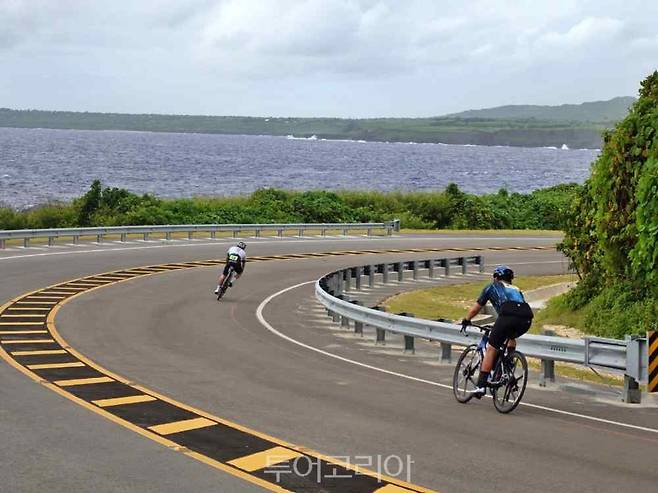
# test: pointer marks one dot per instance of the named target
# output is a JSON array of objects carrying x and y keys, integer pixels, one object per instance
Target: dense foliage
[
  {"x": 612, "y": 228},
  {"x": 451, "y": 208}
]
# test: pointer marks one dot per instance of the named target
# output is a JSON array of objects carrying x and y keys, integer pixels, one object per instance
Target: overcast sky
[{"x": 347, "y": 58}]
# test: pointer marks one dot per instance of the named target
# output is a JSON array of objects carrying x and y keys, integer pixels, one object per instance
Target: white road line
[{"x": 266, "y": 324}]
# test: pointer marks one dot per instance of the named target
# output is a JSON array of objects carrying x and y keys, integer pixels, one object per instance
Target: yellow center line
[
  {"x": 38, "y": 353},
  {"x": 266, "y": 458},
  {"x": 48, "y": 366},
  {"x": 83, "y": 381},
  {"x": 118, "y": 401},
  {"x": 184, "y": 425},
  {"x": 28, "y": 341}
]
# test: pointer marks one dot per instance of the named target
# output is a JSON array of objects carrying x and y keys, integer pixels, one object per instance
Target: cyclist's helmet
[
  {"x": 242, "y": 245},
  {"x": 503, "y": 272}
]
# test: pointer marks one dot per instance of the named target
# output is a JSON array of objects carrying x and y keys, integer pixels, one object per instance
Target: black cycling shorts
[
  {"x": 513, "y": 321},
  {"x": 237, "y": 266}
]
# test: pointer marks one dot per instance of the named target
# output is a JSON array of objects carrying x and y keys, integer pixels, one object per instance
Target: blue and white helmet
[
  {"x": 503, "y": 271},
  {"x": 242, "y": 245}
]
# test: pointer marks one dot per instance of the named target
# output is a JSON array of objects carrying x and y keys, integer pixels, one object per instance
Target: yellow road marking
[
  {"x": 28, "y": 341},
  {"x": 48, "y": 366},
  {"x": 38, "y": 353},
  {"x": 117, "y": 401},
  {"x": 392, "y": 488},
  {"x": 82, "y": 381},
  {"x": 264, "y": 459},
  {"x": 24, "y": 315},
  {"x": 21, "y": 332},
  {"x": 37, "y": 303},
  {"x": 184, "y": 425},
  {"x": 33, "y": 324},
  {"x": 46, "y": 297},
  {"x": 30, "y": 309}
]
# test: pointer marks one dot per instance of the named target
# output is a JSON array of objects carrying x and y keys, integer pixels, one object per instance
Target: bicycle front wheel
[
  {"x": 507, "y": 397},
  {"x": 468, "y": 367}
]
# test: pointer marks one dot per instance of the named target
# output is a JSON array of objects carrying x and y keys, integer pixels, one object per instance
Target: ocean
[{"x": 42, "y": 165}]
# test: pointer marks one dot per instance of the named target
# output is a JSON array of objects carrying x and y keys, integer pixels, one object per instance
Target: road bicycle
[
  {"x": 507, "y": 383},
  {"x": 227, "y": 282}
]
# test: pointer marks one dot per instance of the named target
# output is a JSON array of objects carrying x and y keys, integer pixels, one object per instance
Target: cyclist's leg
[
  {"x": 238, "y": 269},
  {"x": 222, "y": 276},
  {"x": 499, "y": 334}
]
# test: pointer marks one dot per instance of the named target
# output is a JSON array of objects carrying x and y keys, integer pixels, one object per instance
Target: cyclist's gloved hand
[{"x": 465, "y": 323}]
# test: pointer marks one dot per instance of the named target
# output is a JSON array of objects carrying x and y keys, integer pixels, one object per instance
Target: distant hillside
[
  {"x": 577, "y": 126},
  {"x": 596, "y": 111}
]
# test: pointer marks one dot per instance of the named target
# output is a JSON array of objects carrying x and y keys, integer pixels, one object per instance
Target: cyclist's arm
[{"x": 475, "y": 309}]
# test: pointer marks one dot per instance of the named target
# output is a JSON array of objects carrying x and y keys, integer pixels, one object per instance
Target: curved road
[{"x": 167, "y": 333}]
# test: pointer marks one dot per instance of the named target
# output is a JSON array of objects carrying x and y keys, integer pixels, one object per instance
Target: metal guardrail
[
  {"x": 236, "y": 229},
  {"x": 332, "y": 291}
]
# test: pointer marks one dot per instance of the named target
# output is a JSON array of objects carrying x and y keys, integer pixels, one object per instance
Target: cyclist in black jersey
[{"x": 514, "y": 319}]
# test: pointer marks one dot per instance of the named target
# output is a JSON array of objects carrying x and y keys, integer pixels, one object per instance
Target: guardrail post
[
  {"x": 359, "y": 273},
  {"x": 446, "y": 262},
  {"x": 51, "y": 241},
  {"x": 190, "y": 235},
  {"x": 76, "y": 239},
  {"x": 400, "y": 271},
  {"x": 430, "y": 269},
  {"x": 380, "y": 338},
  {"x": 415, "y": 268},
  {"x": 147, "y": 236},
  {"x": 279, "y": 233},
  {"x": 235, "y": 233},
  {"x": 480, "y": 261},
  {"x": 409, "y": 342},
  {"x": 2, "y": 244},
  {"x": 301, "y": 232},
  {"x": 371, "y": 276},
  {"x": 631, "y": 393},
  {"x": 339, "y": 283},
  {"x": 124, "y": 236},
  {"x": 324, "y": 232},
  {"x": 463, "y": 262},
  {"x": 384, "y": 273},
  {"x": 344, "y": 232},
  {"x": 347, "y": 277},
  {"x": 168, "y": 236},
  {"x": 335, "y": 317},
  {"x": 99, "y": 238},
  {"x": 369, "y": 231},
  {"x": 358, "y": 326},
  {"x": 547, "y": 366},
  {"x": 445, "y": 356},
  {"x": 26, "y": 242},
  {"x": 257, "y": 232},
  {"x": 213, "y": 234}
]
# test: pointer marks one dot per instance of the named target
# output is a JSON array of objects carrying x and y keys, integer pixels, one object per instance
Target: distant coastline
[{"x": 577, "y": 131}]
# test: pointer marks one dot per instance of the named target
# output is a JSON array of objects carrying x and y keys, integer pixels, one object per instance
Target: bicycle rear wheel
[
  {"x": 507, "y": 397},
  {"x": 467, "y": 367},
  {"x": 224, "y": 287}
]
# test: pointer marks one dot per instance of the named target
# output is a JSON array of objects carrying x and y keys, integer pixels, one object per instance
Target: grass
[
  {"x": 557, "y": 313},
  {"x": 453, "y": 301},
  {"x": 487, "y": 232}
]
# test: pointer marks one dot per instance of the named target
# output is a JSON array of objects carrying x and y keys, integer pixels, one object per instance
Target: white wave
[
  {"x": 549, "y": 147},
  {"x": 564, "y": 147},
  {"x": 292, "y": 137}
]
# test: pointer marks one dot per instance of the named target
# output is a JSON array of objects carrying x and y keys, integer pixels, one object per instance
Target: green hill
[
  {"x": 577, "y": 126},
  {"x": 612, "y": 110}
]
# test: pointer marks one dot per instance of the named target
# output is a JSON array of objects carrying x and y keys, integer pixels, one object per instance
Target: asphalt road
[{"x": 167, "y": 333}]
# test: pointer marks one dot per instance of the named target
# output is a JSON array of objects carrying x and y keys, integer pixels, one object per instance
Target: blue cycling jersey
[{"x": 498, "y": 292}]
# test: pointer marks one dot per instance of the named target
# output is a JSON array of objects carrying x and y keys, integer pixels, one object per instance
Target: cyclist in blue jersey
[{"x": 514, "y": 319}]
